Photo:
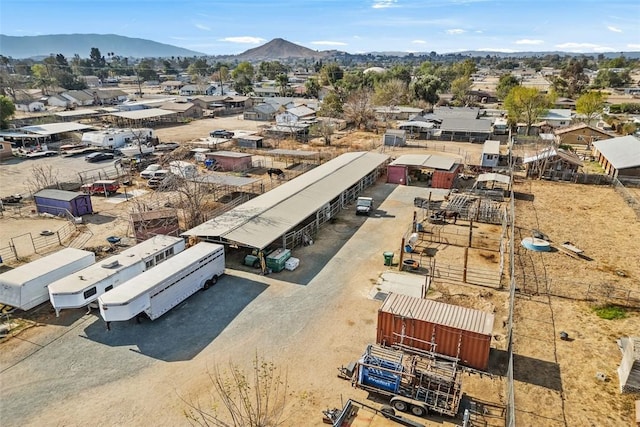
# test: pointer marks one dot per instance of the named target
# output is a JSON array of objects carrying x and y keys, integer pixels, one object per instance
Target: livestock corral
[{"x": 320, "y": 317}]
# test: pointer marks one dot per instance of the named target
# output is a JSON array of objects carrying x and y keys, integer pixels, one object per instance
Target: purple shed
[{"x": 56, "y": 202}]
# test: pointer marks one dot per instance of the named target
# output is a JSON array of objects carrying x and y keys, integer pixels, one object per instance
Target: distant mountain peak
[{"x": 279, "y": 48}]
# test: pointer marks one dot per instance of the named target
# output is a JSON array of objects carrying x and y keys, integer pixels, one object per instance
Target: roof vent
[{"x": 111, "y": 264}]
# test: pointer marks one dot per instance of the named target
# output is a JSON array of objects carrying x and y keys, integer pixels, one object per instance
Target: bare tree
[
  {"x": 359, "y": 109},
  {"x": 243, "y": 399},
  {"x": 42, "y": 176}
]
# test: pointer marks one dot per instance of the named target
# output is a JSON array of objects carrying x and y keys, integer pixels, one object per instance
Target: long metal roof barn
[
  {"x": 143, "y": 114},
  {"x": 55, "y": 128},
  {"x": 265, "y": 218}
]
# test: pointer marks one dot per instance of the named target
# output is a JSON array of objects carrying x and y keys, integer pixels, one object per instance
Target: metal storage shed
[
  {"x": 453, "y": 330},
  {"x": 59, "y": 202}
]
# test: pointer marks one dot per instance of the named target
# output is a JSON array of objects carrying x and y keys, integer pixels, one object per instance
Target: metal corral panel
[{"x": 449, "y": 326}]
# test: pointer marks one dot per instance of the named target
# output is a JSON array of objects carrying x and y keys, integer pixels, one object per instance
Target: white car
[{"x": 150, "y": 170}]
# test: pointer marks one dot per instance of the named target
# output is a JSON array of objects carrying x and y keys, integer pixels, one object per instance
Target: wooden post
[
  {"x": 470, "y": 232},
  {"x": 401, "y": 256},
  {"x": 464, "y": 269}
]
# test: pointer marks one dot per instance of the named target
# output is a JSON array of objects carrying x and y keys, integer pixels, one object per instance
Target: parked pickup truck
[
  {"x": 104, "y": 187},
  {"x": 364, "y": 206}
]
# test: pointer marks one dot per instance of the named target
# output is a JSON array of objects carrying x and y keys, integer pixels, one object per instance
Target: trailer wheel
[
  {"x": 399, "y": 405},
  {"x": 213, "y": 280},
  {"x": 418, "y": 411},
  {"x": 207, "y": 285}
]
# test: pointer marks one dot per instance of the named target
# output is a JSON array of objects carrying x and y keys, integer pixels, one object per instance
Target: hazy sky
[{"x": 220, "y": 27}]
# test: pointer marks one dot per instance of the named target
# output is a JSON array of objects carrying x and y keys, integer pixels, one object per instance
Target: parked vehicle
[
  {"x": 99, "y": 156},
  {"x": 163, "y": 182},
  {"x": 85, "y": 286},
  {"x": 183, "y": 169},
  {"x": 221, "y": 133},
  {"x": 134, "y": 149},
  {"x": 158, "y": 290},
  {"x": 25, "y": 287},
  {"x": 116, "y": 138},
  {"x": 104, "y": 187},
  {"x": 364, "y": 206},
  {"x": 412, "y": 383},
  {"x": 148, "y": 172}
]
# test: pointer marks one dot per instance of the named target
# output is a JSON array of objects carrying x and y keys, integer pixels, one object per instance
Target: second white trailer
[
  {"x": 158, "y": 290},
  {"x": 85, "y": 286},
  {"x": 25, "y": 287}
]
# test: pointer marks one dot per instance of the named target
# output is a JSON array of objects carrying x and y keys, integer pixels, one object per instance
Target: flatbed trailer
[
  {"x": 412, "y": 383},
  {"x": 358, "y": 414}
]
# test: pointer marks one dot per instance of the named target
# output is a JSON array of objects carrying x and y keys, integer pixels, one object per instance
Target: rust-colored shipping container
[{"x": 456, "y": 331}]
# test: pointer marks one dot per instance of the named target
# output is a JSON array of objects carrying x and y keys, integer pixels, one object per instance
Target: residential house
[
  {"x": 552, "y": 163},
  {"x": 581, "y": 134},
  {"x": 620, "y": 157},
  {"x": 266, "y": 90},
  {"x": 92, "y": 81},
  {"x": 58, "y": 101},
  {"x": 183, "y": 109},
  {"x": 109, "y": 96},
  {"x": 171, "y": 85},
  {"x": 29, "y": 105},
  {"x": 396, "y": 112},
  {"x": 557, "y": 117},
  {"x": 417, "y": 129},
  {"x": 565, "y": 103},
  {"x": 490, "y": 154},
  {"x": 262, "y": 112},
  {"x": 456, "y": 112},
  {"x": 191, "y": 90},
  {"x": 465, "y": 130},
  {"x": 79, "y": 97},
  {"x": 295, "y": 115}
]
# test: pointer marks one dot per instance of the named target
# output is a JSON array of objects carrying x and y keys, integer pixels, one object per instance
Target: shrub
[{"x": 610, "y": 312}]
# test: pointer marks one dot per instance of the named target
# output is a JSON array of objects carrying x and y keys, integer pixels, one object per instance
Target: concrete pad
[
  {"x": 400, "y": 283},
  {"x": 121, "y": 197}
]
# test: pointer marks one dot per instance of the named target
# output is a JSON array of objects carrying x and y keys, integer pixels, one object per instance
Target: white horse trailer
[
  {"x": 25, "y": 287},
  {"x": 85, "y": 286},
  {"x": 158, "y": 290}
]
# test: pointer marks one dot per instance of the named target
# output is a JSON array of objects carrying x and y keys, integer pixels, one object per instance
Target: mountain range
[{"x": 81, "y": 44}]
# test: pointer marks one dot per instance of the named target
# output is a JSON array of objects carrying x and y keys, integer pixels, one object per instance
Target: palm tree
[{"x": 282, "y": 80}]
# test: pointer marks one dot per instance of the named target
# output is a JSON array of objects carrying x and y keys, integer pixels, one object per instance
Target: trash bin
[{"x": 388, "y": 258}]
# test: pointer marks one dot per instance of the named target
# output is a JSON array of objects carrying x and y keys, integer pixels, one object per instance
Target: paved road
[{"x": 73, "y": 371}]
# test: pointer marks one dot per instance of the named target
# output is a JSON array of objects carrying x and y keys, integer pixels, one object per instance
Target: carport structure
[
  {"x": 141, "y": 118},
  {"x": 298, "y": 207}
]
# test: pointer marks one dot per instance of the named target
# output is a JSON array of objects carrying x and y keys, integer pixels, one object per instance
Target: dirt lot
[{"x": 314, "y": 325}]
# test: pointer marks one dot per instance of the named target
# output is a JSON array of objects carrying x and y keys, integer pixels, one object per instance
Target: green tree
[
  {"x": 610, "y": 78},
  {"x": 332, "y": 105},
  {"x": 270, "y": 69},
  {"x": 391, "y": 93},
  {"x": 243, "y": 69},
  {"x": 312, "y": 87},
  {"x": 198, "y": 68},
  {"x": 576, "y": 81},
  {"x": 243, "y": 85},
  {"x": 7, "y": 110},
  {"x": 146, "y": 71},
  {"x": 330, "y": 74},
  {"x": 282, "y": 81},
  {"x": 590, "y": 105},
  {"x": 42, "y": 78},
  {"x": 401, "y": 72},
  {"x": 426, "y": 88},
  {"x": 460, "y": 88},
  {"x": 505, "y": 84},
  {"x": 526, "y": 104}
]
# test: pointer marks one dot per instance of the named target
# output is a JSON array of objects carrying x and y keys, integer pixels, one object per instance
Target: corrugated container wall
[{"x": 416, "y": 323}]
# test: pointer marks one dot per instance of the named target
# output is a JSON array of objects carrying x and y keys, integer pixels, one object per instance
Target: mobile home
[
  {"x": 25, "y": 287},
  {"x": 158, "y": 290},
  {"x": 85, "y": 286}
]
